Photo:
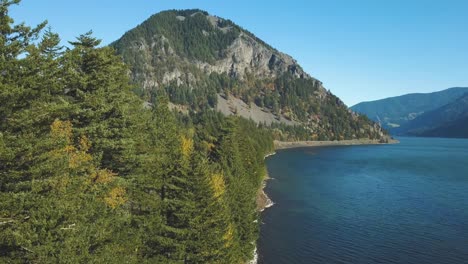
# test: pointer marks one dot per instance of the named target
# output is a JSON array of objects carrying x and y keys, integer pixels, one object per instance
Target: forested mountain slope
[
  {"x": 396, "y": 111},
  {"x": 205, "y": 62},
  {"x": 446, "y": 121}
]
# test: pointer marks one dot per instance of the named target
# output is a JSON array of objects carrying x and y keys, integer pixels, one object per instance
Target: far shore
[{"x": 300, "y": 144}]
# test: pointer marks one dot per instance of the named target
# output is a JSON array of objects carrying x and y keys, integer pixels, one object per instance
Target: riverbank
[
  {"x": 263, "y": 202},
  {"x": 300, "y": 144}
]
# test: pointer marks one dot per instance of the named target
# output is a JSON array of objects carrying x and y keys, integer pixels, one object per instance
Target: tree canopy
[{"x": 88, "y": 174}]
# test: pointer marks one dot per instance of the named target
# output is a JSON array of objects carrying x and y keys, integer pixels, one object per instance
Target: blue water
[{"x": 404, "y": 203}]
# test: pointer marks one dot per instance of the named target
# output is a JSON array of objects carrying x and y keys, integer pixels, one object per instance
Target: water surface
[{"x": 404, "y": 203}]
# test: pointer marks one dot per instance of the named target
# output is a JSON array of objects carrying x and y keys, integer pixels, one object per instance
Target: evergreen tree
[
  {"x": 212, "y": 235},
  {"x": 88, "y": 174}
]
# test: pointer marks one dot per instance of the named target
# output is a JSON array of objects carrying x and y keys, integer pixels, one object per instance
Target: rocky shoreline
[
  {"x": 300, "y": 144},
  {"x": 263, "y": 202}
]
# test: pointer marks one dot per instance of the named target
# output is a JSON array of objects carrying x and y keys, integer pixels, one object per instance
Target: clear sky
[{"x": 360, "y": 50}]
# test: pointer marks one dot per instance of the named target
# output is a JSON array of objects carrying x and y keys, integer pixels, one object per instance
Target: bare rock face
[
  {"x": 246, "y": 55},
  {"x": 235, "y": 106}
]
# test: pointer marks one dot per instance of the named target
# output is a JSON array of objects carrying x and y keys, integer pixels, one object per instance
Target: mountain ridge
[
  {"x": 395, "y": 111},
  {"x": 446, "y": 121}
]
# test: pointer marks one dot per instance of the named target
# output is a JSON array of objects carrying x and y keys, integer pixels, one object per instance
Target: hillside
[
  {"x": 206, "y": 62},
  {"x": 447, "y": 121},
  {"x": 454, "y": 129},
  {"x": 397, "y": 111}
]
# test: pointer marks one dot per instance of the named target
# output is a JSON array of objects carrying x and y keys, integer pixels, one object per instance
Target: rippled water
[{"x": 405, "y": 203}]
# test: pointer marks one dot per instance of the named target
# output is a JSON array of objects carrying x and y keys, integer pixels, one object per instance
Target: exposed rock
[
  {"x": 178, "y": 108},
  {"x": 196, "y": 13},
  {"x": 245, "y": 54},
  {"x": 235, "y": 106},
  {"x": 171, "y": 76},
  {"x": 214, "y": 20}
]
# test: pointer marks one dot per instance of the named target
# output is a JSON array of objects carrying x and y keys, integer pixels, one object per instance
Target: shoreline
[
  {"x": 264, "y": 202},
  {"x": 351, "y": 142}
]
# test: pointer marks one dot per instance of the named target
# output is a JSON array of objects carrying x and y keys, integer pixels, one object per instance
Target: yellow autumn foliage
[
  {"x": 228, "y": 236},
  {"x": 116, "y": 197},
  {"x": 187, "y": 146},
  {"x": 103, "y": 176},
  {"x": 85, "y": 144},
  {"x": 78, "y": 158},
  {"x": 218, "y": 185},
  {"x": 61, "y": 130}
]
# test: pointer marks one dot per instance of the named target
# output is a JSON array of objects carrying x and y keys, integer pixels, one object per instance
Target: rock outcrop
[{"x": 245, "y": 55}]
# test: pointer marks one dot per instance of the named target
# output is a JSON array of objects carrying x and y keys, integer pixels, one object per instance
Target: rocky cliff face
[
  {"x": 247, "y": 55},
  {"x": 244, "y": 55}
]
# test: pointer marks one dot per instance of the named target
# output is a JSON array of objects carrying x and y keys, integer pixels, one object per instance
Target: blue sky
[{"x": 360, "y": 50}]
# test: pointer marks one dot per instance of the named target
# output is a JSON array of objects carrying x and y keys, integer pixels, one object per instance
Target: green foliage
[
  {"x": 88, "y": 174},
  {"x": 193, "y": 36},
  {"x": 238, "y": 147},
  {"x": 86, "y": 40}
]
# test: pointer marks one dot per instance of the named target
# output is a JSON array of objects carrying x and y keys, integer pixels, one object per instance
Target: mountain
[
  {"x": 450, "y": 120},
  {"x": 455, "y": 129},
  {"x": 397, "y": 111},
  {"x": 206, "y": 62}
]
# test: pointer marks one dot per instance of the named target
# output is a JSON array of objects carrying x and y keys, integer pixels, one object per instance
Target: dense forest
[{"x": 91, "y": 174}]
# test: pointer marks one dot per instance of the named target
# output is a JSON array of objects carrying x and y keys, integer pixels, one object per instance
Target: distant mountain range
[{"x": 438, "y": 114}]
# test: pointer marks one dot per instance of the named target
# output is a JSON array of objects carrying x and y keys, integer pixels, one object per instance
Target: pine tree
[
  {"x": 89, "y": 175},
  {"x": 104, "y": 108},
  {"x": 212, "y": 236},
  {"x": 86, "y": 203},
  {"x": 86, "y": 40}
]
